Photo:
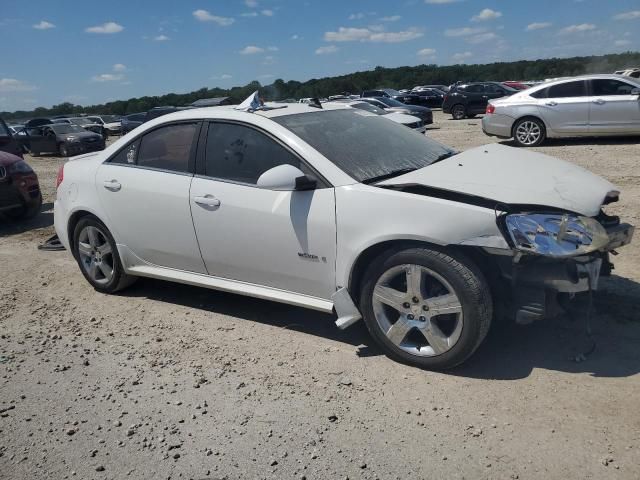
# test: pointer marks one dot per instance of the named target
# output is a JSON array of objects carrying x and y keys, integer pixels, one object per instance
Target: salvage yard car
[
  {"x": 20, "y": 195},
  {"x": 341, "y": 210},
  {"x": 587, "y": 106},
  {"x": 63, "y": 139}
]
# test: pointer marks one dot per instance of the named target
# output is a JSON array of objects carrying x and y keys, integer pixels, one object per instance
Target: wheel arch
[{"x": 74, "y": 218}]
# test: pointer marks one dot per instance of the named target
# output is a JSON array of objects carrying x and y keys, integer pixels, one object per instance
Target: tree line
[{"x": 400, "y": 77}]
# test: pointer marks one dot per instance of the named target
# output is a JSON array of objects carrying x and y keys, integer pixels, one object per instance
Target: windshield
[
  {"x": 63, "y": 128},
  {"x": 391, "y": 91},
  {"x": 364, "y": 146},
  {"x": 391, "y": 102},
  {"x": 369, "y": 108}
]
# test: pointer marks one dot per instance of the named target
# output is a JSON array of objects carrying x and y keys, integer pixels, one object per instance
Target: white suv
[{"x": 340, "y": 210}]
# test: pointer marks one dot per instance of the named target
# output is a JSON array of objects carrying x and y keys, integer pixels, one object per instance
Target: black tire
[
  {"x": 120, "y": 279},
  {"x": 521, "y": 141},
  {"x": 468, "y": 284},
  {"x": 62, "y": 150},
  {"x": 458, "y": 111}
]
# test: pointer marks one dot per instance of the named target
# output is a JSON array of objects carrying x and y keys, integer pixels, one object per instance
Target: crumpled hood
[{"x": 514, "y": 176}]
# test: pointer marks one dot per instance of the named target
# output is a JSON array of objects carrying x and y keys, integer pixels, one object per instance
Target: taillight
[
  {"x": 490, "y": 109},
  {"x": 60, "y": 176}
]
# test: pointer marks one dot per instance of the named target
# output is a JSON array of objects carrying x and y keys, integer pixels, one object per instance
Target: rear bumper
[
  {"x": 497, "y": 125},
  {"x": 60, "y": 216}
]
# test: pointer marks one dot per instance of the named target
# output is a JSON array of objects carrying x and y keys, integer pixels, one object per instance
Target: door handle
[
  {"x": 599, "y": 101},
  {"x": 112, "y": 185},
  {"x": 551, "y": 104},
  {"x": 207, "y": 201}
]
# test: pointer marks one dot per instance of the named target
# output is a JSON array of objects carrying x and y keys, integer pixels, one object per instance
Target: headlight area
[{"x": 557, "y": 255}]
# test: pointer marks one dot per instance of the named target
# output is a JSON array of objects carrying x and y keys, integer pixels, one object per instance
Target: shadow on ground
[
  {"x": 44, "y": 219},
  {"x": 510, "y": 351},
  {"x": 560, "y": 142}
]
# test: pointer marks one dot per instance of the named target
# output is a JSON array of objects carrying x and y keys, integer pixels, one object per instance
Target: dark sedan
[
  {"x": 432, "y": 98},
  {"x": 129, "y": 122},
  {"x": 64, "y": 139},
  {"x": 391, "y": 105},
  {"x": 406, "y": 98},
  {"x": 20, "y": 195}
]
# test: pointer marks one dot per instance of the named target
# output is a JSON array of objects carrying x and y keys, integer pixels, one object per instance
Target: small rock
[
  {"x": 333, "y": 418},
  {"x": 273, "y": 463},
  {"x": 100, "y": 468},
  {"x": 70, "y": 431}
]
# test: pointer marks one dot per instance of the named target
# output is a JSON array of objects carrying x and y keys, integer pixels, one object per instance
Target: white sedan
[{"x": 340, "y": 211}]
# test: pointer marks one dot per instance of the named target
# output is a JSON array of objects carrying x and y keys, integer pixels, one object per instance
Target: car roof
[{"x": 601, "y": 76}]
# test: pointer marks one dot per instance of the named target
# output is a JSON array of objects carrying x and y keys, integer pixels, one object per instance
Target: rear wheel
[
  {"x": 426, "y": 308},
  {"x": 529, "y": 132},
  {"x": 97, "y": 256},
  {"x": 458, "y": 112}
]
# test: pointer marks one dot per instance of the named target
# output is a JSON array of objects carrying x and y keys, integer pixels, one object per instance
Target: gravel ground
[{"x": 169, "y": 381}]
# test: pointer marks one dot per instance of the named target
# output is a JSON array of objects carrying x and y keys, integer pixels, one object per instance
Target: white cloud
[
  {"x": 295, "y": 37},
  {"x": 273, "y": 49},
  {"x": 249, "y": 14},
  {"x": 224, "y": 76},
  {"x": 251, "y": 50},
  {"x": 463, "y": 32},
  {"x": 14, "y": 85},
  {"x": 326, "y": 50},
  {"x": 269, "y": 60},
  {"x": 393, "y": 18},
  {"x": 109, "y": 27},
  {"x": 583, "y": 27},
  {"x": 538, "y": 26},
  {"x": 632, "y": 15},
  {"x": 427, "y": 53},
  {"x": 44, "y": 25},
  {"x": 461, "y": 57},
  {"x": 482, "y": 37},
  {"x": 161, "y": 38},
  {"x": 357, "y": 16},
  {"x": 371, "y": 34},
  {"x": 205, "y": 16},
  {"x": 267, "y": 13},
  {"x": 251, "y": 3},
  {"x": 108, "y": 77},
  {"x": 486, "y": 14},
  {"x": 622, "y": 43},
  {"x": 119, "y": 67}
]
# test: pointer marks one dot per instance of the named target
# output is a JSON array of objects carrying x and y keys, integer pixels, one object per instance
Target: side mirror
[{"x": 286, "y": 178}]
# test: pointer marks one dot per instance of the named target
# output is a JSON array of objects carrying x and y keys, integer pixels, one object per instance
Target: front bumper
[
  {"x": 78, "y": 148},
  {"x": 535, "y": 283},
  {"x": 19, "y": 191}
]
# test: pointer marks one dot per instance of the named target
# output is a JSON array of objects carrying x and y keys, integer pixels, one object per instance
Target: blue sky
[{"x": 87, "y": 52}]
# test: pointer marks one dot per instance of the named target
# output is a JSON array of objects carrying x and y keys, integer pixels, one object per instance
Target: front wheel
[
  {"x": 97, "y": 255},
  {"x": 529, "y": 132},
  {"x": 458, "y": 112},
  {"x": 425, "y": 307}
]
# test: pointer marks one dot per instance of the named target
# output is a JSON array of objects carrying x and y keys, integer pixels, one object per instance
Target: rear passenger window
[
  {"x": 539, "y": 94},
  {"x": 128, "y": 155},
  {"x": 475, "y": 89},
  {"x": 568, "y": 90},
  {"x": 168, "y": 147},
  {"x": 605, "y": 87},
  {"x": 242, "y": 154}
]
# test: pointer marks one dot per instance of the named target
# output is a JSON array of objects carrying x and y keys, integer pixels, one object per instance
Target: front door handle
[
  {"x": 207, "y": 201},
  {"x": 112, "y": 185},
  {"x": 551, "y": 104},
  {"x": 599, "y": 101}
]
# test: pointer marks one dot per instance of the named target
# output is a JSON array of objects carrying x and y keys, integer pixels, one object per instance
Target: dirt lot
[{"x": 168, "y": 381}]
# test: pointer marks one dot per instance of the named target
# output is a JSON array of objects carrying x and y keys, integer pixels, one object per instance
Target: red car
[
  {"x": 516, "y": 85},
  {"x": 20, "y": 195}
]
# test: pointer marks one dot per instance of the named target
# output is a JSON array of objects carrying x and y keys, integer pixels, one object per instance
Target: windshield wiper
[{"x": 385, "y": 176}]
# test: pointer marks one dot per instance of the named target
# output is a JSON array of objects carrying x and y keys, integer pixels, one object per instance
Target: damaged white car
[{"x": 341, "y": 211}]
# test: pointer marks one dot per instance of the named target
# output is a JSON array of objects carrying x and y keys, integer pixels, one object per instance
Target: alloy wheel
[
  {"x": 528, "y": 133},
  {"x": 418, "y": 310},
  {"x": 96, "y": 255},
  {"x": 458, "y": 112}
]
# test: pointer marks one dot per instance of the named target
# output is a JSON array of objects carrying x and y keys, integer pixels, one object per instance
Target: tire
[
  {"x": 92, "y": 250},
  {"x": 529, "y": 132},
  {"x": 458, "y": 111},
  {"x": 440, "y": 327},
  {"x": 62, "y": 150}
]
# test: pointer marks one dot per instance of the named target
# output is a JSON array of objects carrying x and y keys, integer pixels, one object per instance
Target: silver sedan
[{"x": 587, "y": 106}]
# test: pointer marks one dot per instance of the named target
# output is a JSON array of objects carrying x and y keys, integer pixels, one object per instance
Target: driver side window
[{"x": 241, "y": 154}]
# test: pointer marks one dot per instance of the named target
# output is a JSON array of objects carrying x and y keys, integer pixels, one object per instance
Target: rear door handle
[
  {"x": 551, "y": 104},
  {"x": 207, "y": 201},
  {"x": 599, "y": 101},
  {"x": 112, "y": 185}
]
